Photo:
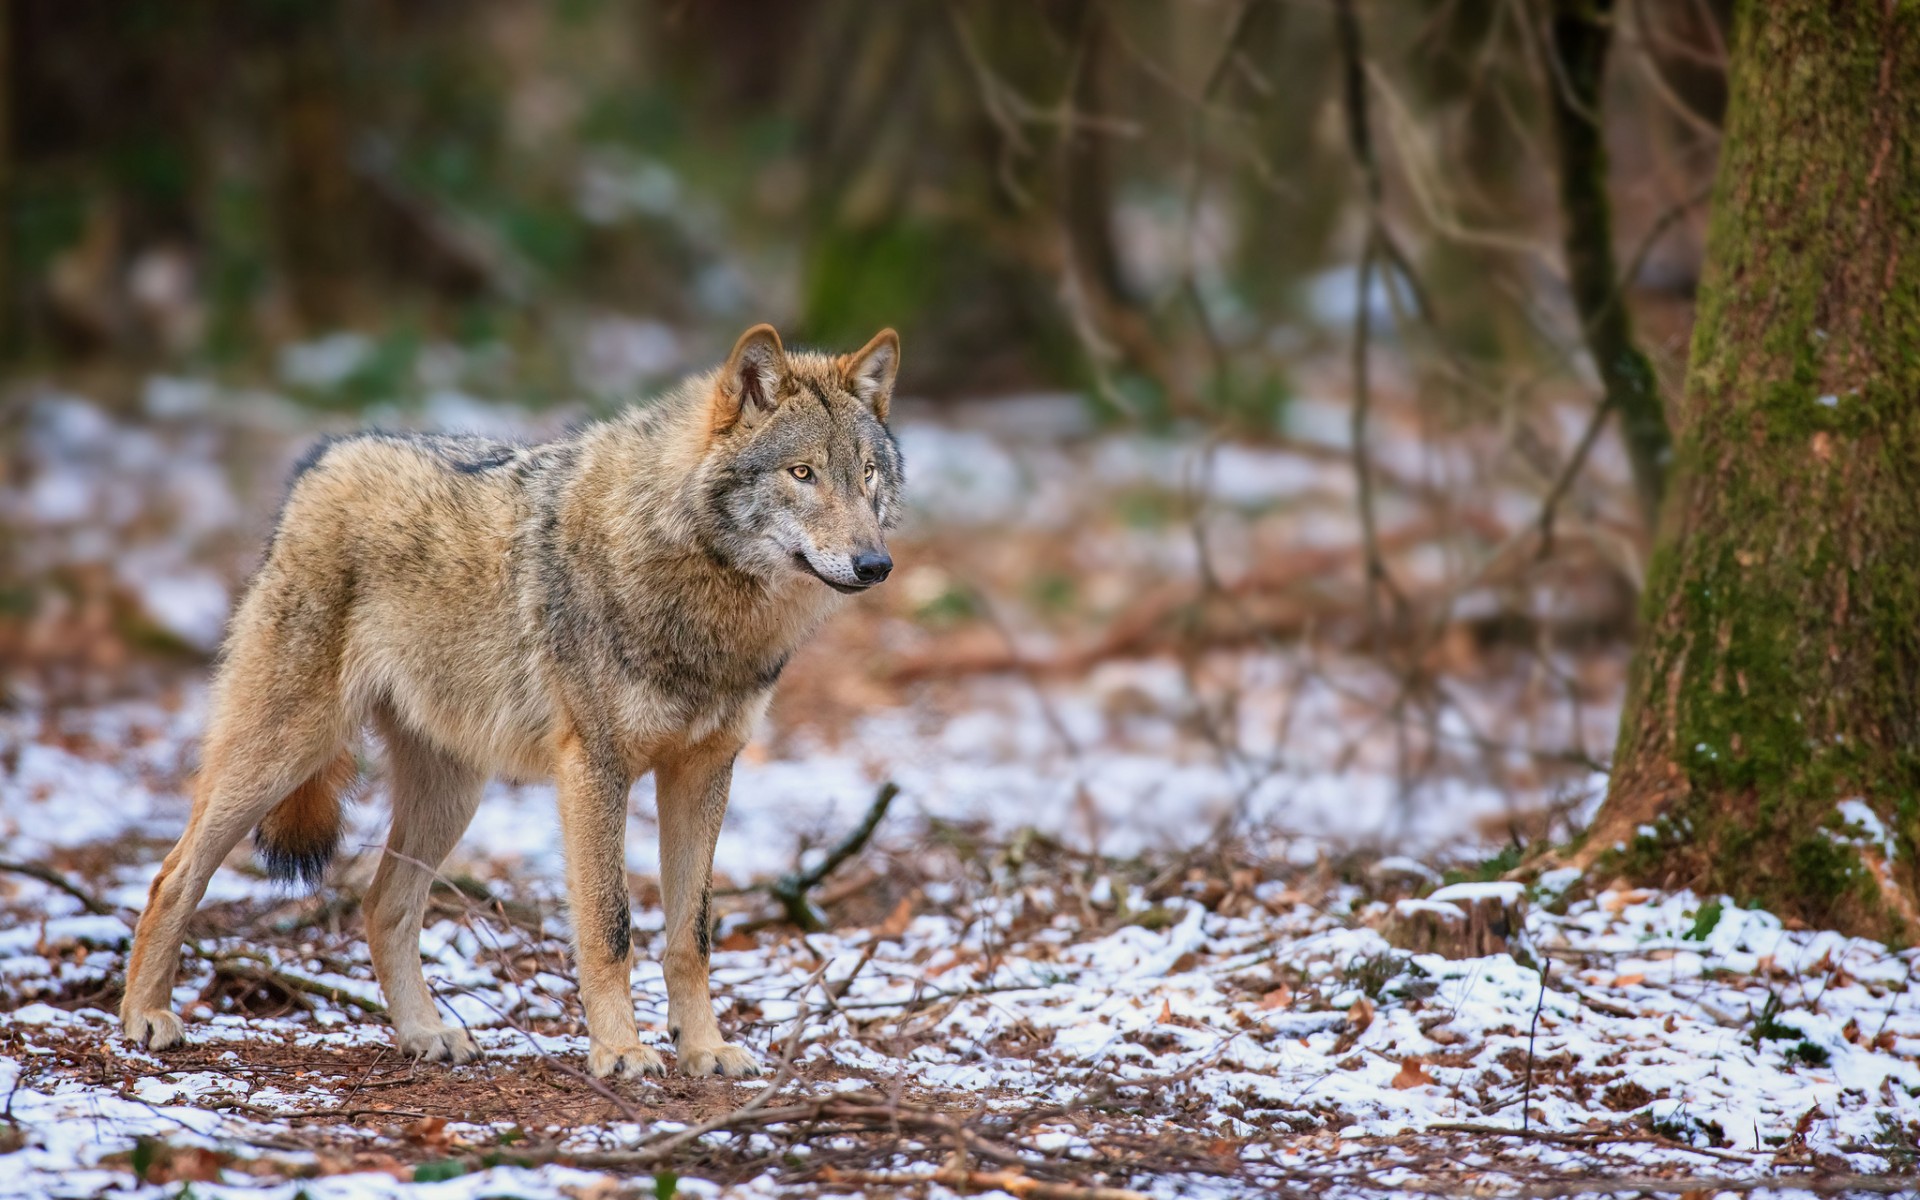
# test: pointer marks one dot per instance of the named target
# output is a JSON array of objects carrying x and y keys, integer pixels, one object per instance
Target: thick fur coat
[{"x": 587, "y": 610}]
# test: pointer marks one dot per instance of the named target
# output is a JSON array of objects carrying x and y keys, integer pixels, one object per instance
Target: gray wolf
[{"x": 619, "y": 601}]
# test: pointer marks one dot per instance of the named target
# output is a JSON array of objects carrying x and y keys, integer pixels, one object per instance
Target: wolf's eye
[
  {"x": 802, "y": 472},
  {"x": 869, "y": 473}
]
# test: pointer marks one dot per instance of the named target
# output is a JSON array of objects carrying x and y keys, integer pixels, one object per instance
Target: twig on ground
[
  {"x": 1533, "y": 1030},
  {"x": 790, "y": 890},
  {"x": 259, "y": 969},
  {"x": 59, "y": 882}
]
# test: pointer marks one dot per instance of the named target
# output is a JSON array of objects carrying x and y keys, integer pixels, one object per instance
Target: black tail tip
[{"x": 301, "y": 866}]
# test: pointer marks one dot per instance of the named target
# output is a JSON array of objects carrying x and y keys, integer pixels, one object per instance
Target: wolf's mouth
[{"x": 845, "y": 589}]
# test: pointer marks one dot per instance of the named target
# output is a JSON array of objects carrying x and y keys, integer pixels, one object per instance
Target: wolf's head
[{"x": 801, "y": 474}]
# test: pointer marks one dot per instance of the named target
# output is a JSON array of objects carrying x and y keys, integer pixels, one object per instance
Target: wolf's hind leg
[
  {"x": 255, "y": 756},
  {"x": 433, "y": 800},
  {"x": 692, "y": 800},
  {"x": 593, "y": 824}
]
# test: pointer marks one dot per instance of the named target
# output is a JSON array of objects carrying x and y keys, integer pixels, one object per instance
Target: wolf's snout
[{"x": 871, "y": 566}]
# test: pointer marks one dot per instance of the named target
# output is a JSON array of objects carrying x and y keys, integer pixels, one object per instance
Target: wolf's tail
[{"x": 298, "y": 838}]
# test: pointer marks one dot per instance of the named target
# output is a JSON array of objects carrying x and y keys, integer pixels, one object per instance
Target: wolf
[{"x": 619, "y": 601}]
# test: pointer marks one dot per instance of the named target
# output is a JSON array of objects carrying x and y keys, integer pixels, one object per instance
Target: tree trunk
[{"x": 1770, "y": 747}]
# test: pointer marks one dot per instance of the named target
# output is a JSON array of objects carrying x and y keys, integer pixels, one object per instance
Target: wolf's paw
[
  {"x": 438, "y": 1044},
  {"x": 154, "y": 1028},
  {"x": 721, "y": 1059},
  {"x": 630, "y": 1061}
]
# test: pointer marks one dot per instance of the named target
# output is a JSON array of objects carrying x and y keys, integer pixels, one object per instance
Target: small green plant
[
  {"x": 145, "y": 1151},
  {"x": 1372, "y": 973},
  {"x": 1767, "y": 1027},
  {"x": 1809, "y": 1054},
  {"x": 438, "y": 1171},
  {"x": 1155, "y": 919},
  {"x": 1687, "y": 1129},
  {"x": 949, "y": 608},
  {"x": 1414, "y": 984},
  {"x": 1705, "y": 920},
  {"x": 1054, "y": 593},
  {"x": 1488, "y": 869},
  {"x": 666, "y": 1185},
  {"x": 1899, "y": 1142}
]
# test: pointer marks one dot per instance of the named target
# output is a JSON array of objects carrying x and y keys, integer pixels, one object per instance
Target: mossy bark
[{"x": 1778, "y": 675}]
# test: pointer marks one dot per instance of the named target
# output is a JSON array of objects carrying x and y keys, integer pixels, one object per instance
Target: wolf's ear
[
  {"x": 870, "y": 370},
  {"x": 750, "y": 382}
]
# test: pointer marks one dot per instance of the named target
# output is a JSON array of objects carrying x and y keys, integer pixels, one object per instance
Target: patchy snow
[
  {"x": 1861, "y": 820},
  {"x": 1502, "y": 891}
]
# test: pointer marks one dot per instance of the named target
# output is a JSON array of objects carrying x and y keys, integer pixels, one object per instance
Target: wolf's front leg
[
  {"x": 593, "y": 824},
  {"x": 692, "y": 801}
]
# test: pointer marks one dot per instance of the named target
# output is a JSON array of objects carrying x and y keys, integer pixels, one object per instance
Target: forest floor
[{"x": 1136, "y": 922}]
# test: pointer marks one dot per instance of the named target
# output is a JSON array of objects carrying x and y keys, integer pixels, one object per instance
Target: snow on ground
[
  {"x": 1125, "y": 925},
  {"x": 1287, "y": 1035}
]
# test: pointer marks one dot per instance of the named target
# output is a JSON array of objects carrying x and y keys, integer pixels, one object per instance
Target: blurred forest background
[
  {"x": 1151, "y": 202},
  {"x": 1417, "y": 254}
]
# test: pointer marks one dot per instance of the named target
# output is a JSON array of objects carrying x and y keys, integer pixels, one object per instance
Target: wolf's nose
[{"x": 872, "y": 566}]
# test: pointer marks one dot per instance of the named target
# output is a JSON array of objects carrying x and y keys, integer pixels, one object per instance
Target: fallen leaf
[
  {"x": 1360, "y": 1015},
  {"x": 1618, "y": 902},
  {"x": 1413, "y": 1074},
  {"x": 1628, "y": 980},
  {"x": 1280, "y": 997},
  {"x": 897, "y": 920},
  {"x": 430, "y": 1132},
  {"x": 1166, "y": 1013}
]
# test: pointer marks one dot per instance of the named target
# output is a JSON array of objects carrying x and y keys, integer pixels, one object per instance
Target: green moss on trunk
[{"x": 1779, "y": 670}]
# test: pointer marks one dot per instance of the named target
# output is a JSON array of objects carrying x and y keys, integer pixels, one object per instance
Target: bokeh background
[{"x": 1261, "y": 488}]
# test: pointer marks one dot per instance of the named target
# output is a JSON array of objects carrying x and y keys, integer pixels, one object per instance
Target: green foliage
[
  {"x": 666, "y": 1185},
  {"x": 1053, "y": 593},
  {"x": 1705, "y": 920},
  {"x": 1487, "y": 870},
  {"x": 145, "y": 1152},
  {"x": 861, "y": 280},
  {"x": 1157, "y": 918},
  {"x": 1899, "y": 1142},
  {"x": 1824, "y": 869},
  {"x": 1768, "y": 1027},
  {"x": 1809, "y": 1054},
  {"x": 1687, "y": 1129},
  {"x": 438, "y": 1171},
  {"x": 951, "y": 607},
  {"x": 1257, "y": 403},
  {"x": 1372, "y": 973},
  {"x": 1148, "y": 507}
]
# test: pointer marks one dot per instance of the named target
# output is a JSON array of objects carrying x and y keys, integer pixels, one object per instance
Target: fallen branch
[
  {"x": 259, "y": 970},
  {"x": 790, "y": 890},
  {"x": 59, "y": 882}
]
